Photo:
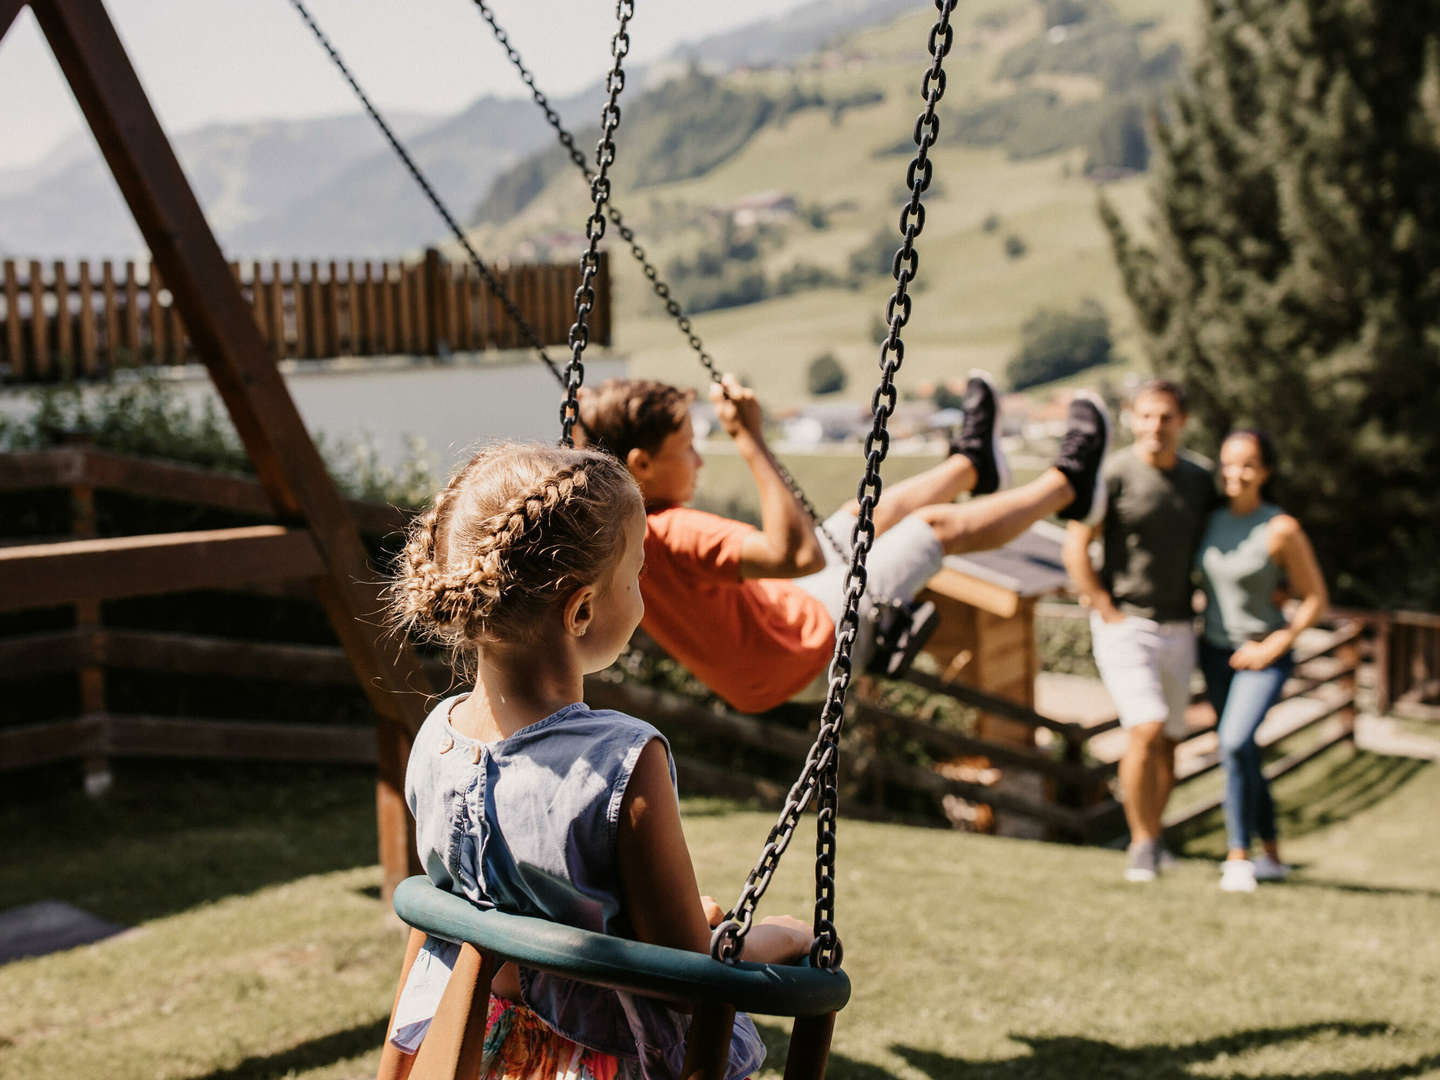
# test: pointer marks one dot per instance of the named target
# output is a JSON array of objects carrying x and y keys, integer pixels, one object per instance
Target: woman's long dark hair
[{"x": 1266, "y": 446}]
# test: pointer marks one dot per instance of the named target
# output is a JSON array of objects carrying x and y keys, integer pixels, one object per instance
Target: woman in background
[{"x": 1250, "y": 548}]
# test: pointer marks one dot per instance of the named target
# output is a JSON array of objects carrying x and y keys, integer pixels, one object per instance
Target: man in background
[{"x": 1157, "y": 500}]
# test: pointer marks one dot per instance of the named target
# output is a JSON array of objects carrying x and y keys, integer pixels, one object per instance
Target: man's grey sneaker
[
  {"x": 1082, "y": 452},
  {"x": 1142, "y": 862},
  {"x": 979, "y": 435},
  {"x": 1268, "y": 869}
]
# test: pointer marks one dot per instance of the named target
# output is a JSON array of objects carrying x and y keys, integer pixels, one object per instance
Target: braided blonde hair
[{"x": 519, "y": 527}]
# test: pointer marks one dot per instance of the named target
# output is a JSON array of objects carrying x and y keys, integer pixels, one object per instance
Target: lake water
[{"x": 449, "y": 408}]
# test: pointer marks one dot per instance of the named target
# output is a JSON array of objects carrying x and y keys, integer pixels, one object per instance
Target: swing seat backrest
[{"x": 693, "y": 981}]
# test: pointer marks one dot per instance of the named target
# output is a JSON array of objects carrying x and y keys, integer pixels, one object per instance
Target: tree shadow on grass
[
  {"x": 1355, "y": 782},
  {"x": 170, "y": 836},
  {"x": 314, "y": 1054},
  {"x": 1063, "y": 1057},
  {"x": 1058, "y": 1057}
]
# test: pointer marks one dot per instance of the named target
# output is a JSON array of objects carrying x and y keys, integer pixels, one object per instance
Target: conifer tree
[{"x": 1291, "y": 275}]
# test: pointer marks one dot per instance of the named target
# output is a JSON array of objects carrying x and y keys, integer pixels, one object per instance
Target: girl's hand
[
  {"x": 778, "y": 939},
  {"x": 714, "y": 913}
]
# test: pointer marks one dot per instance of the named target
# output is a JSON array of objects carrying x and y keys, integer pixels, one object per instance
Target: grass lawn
[{"x": 261, "y": 951}]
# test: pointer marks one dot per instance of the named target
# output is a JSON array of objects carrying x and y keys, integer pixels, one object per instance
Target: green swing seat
[
  {"x": 712, "y": 990},
  {"x": 651, "y": 970}
]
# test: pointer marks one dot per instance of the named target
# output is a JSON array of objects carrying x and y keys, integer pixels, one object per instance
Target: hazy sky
[{"x": 204, "y": 60}]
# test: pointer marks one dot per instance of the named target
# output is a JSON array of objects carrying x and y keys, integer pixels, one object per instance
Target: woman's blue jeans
[{"x": 1241, "y": 699}]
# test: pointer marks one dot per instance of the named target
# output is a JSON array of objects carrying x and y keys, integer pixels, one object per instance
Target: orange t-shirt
[{"x": 755, "y": 642}]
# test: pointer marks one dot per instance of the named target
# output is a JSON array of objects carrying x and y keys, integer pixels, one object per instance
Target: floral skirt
[{"x": 518, "y": 1046}]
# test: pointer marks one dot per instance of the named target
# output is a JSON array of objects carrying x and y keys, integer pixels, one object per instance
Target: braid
[{"x": 511, "y": 532}]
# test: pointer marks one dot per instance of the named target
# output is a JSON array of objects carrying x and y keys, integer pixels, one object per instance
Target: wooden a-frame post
[{"x": 222, "y": 327}]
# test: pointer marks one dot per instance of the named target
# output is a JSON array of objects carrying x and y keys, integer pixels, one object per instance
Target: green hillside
[{"x": 1015, "y": 89}]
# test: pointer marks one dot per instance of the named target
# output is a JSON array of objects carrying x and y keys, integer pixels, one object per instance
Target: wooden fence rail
[
  {"x": 1407, "y": 664},
  {"x": 66, "y": 319}
]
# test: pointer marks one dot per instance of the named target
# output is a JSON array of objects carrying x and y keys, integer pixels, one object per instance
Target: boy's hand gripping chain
[
  {"x": 821, "y": 773},
  {"x": 595, "y": 227}
]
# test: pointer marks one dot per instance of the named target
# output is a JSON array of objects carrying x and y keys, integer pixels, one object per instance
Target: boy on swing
[{"x": 752, "y": 612}]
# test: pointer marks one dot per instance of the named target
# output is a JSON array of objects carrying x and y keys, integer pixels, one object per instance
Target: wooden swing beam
[{"x": 222, "y": 327}]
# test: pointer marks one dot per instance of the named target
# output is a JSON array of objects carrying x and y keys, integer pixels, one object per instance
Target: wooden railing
[
  {"x": 1407, "y": 664},
  {"x": 1074, "y": 801},
  {"x": 84, "y": 321}
]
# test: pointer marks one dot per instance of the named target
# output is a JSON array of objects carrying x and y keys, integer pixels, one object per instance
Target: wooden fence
[
  {"x": 1072, "y": 799},
  {"x": 1407, "y": 664},
  {"x": 77, "y": 320}
]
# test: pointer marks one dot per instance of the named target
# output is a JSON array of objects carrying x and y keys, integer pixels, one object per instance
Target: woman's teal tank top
[{"x": 1239, "y": 577}]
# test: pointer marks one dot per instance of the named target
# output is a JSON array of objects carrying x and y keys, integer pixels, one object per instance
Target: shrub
[
  {"x": 876, "y": 256},
  {"x": 825, "y": 375},
  {"x": 1059, "y": 343},
  {"x": 1015, "y": 246}
]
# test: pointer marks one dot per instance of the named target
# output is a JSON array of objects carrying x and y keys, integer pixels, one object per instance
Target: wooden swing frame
[{"x": 317, "y": 536}]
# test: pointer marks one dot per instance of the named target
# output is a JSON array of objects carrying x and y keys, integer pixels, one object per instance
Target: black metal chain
[
  {"x": 652, "y": 274},
  {"x": 820, "y": 775},
  {"x": 527, "y": 332},
  {"x": 595, "y": 226}
]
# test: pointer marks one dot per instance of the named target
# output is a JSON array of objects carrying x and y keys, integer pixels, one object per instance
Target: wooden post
[
  {"x": 1349, "y": 656},
  {"x": 112, "y": 313},
  {"x": 297, "y": 308},
  {"x": 286, "y": 461},
  {"x": 402, "y": 308},
  {"x": 279, "y": 336},
  {"x": 1380, "y": 662},
  {"x": 89, "y": 361},
  {"x": 809, "y": 1047},
  {"x": 14, "y": 343},
  {"x": 315, "y": 312},
  {"x": 465, "y": 334},
  {"x": 132, "y": 313},
  {"x": 352, "y": 310},
  {"x": 157, "y": 316},
  {"x": 97, "y": 775},
  {"x": 388, "y": 308},
  {"x": 600, "y": 331},
  {"x": 39, "y": 321},
  {"x": 64, "y": 331},
  {"x": 332, "y": 310},
  {"x": 436, "y": 314},
  {"x": 258, "y": 302},
  {"x": 707, "y": 1047},
  {"x": 369, "y": 297}
]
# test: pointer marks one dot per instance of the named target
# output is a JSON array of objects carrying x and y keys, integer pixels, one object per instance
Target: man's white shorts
[{"x": 1146, "y": 666}]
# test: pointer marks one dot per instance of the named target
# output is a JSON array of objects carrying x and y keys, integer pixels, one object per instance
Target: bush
[
  {"x": 876, "y": 257},
  {"x": 1015, "y": 246},
  {"x": 803, "y": 276},
  {"x": 1059, "y": 343},
  {"x": 147, "y": 417},
  {"x": 825, "y": 375}
]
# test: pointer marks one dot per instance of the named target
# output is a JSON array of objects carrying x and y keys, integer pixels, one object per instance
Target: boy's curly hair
[
  {"x": 515, "y": 530},
  {"x": 621, "y": 415}
]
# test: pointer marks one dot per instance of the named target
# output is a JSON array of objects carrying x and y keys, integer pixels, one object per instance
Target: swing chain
[
  {"x": 652, "y": 273},
  {"x": 820, "y": 775},
  {"x": 526, "y": 330},
  {"x": 595, "y": 227}
]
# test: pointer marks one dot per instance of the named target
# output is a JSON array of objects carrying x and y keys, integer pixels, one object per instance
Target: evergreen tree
[{"x": 1292, "y": 276}]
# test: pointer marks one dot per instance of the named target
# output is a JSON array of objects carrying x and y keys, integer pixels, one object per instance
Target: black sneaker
[
  {"x": 1082, "y": 451},
  {"x": 979, "y": 435}
]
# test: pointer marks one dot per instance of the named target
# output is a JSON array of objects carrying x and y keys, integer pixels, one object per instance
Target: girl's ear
[{"x": 579, "y": 610}]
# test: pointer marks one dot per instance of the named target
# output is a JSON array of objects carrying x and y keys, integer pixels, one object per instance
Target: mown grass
[{"x": 261, "y": 951}]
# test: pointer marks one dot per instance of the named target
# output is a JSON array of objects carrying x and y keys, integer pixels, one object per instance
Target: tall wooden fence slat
[{"x": 14, "y": 342}]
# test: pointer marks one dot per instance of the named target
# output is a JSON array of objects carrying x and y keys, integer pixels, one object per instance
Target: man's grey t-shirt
[{"x": 1154, "y": 519}]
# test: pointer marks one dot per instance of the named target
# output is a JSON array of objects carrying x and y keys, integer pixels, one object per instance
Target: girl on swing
[{"x": 528, "y": 800}]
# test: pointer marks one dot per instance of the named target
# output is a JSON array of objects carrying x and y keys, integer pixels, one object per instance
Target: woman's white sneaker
[{"x": 1237, "y": 875}]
